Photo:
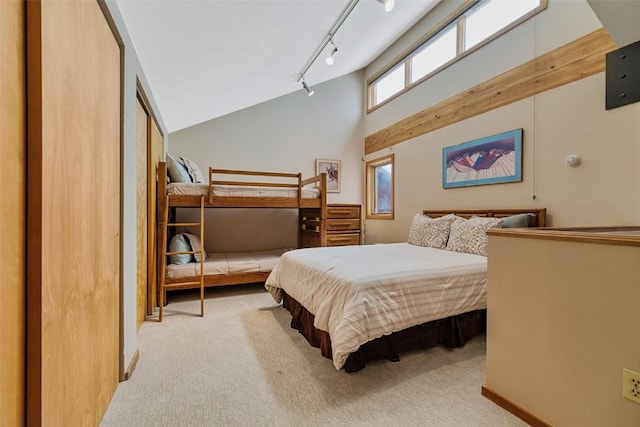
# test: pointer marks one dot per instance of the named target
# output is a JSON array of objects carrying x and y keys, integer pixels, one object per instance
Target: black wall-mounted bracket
[{"x": 623, "y": 76}]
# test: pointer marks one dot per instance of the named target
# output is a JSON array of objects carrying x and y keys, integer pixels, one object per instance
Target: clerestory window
[{"x": 478, "y": 24}]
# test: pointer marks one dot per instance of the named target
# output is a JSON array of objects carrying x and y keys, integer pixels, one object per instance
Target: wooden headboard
[{"x": 537, "y": 218}]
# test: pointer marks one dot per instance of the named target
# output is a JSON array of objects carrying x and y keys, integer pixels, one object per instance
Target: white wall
[
  {"x": 286, "y": 134},
  {"x": 569, "y": 119},
  {"x": 131, "y": 75}
]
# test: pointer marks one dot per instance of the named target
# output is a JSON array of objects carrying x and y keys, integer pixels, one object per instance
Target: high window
[
  {"x": 392, "y": 83},
  {"x": 431, "y": 56},
  {"x": 475, "y": 26},
  {"x": 380, "y": 188}
]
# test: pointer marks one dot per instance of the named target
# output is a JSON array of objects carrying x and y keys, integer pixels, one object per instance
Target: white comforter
[{"x": 359, "y": 293}]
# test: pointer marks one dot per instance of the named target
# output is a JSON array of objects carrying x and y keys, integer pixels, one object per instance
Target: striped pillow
[{"x": 194, "y": 242}]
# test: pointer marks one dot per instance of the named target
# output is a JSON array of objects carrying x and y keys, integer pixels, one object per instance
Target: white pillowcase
[
  {"x": 430, "y": 232},
  {"x": 194, "y": 242},
  {"x": 470, "y": 236},
  {"x": 193, "y": 170}
]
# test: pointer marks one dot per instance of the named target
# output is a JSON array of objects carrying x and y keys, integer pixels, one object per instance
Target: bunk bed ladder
[{"x": 163, "y": 255}]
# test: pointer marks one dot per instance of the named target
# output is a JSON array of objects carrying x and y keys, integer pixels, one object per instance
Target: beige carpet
[{"x": 242, "y": 365}]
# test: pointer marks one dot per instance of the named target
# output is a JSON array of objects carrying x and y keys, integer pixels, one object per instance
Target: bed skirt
[{"x": 452, "y": 332}]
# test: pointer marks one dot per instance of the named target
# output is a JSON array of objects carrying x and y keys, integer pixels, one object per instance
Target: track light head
[
  {"x": 388, "y": 4},
  {"x": 330, "y": 59},
  {"x": 306, "y": 87}
]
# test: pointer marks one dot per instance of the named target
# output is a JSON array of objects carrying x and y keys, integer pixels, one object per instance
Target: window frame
[
  {"x": 457, "y": 20},
  {"x": 370, "y": 194}
]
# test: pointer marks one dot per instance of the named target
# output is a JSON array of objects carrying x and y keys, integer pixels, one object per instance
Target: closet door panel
[
  {"x": 74, "y": 224},
  {"x": 142, "y": 134},
  {"x": 12, "y": 212},
  {"x": 156, "y": 148}
]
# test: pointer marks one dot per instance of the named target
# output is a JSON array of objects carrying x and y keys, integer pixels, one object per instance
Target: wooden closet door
[
  {"x": 155, "y": 151},
  {"x": 74, "y": 205},
  {"x": 12, "y": 212},
  {"x": 142, "y": 119}
]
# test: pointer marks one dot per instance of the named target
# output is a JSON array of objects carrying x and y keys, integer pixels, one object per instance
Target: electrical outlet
[{"x": 631, "y": 385}]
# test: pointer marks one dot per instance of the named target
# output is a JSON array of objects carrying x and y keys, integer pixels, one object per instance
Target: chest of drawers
[{"x": 342, "y": 226}]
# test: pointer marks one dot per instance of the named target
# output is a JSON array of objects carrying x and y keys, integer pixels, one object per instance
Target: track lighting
[
  {"x": 388, "y": 4},
  {"x": 306, "y": 87},
  {"x": 330, "y": 59}
]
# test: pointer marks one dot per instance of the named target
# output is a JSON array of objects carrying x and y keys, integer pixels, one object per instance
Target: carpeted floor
[{"x": 242, "y": 365}]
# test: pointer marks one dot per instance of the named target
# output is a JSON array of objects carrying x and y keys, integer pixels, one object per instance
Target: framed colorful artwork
[{"x": 490, "y": 160}]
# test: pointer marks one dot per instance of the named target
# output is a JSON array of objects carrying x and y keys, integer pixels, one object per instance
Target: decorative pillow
[
  {"x": 177, "y": 172},
  {"x": 179, "y": 243},
  {"x": 470, "y": 236},
  {"x": 194, "y": 241},
  {"x": 193, "y": 170},
  {"x": 516, "y": 221},
  {"x": 430, "y": 232},
  {"x": 453, "y": 230}
]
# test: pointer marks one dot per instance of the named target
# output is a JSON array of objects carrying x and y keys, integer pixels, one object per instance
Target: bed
[
  {"x": 359, "y": 303},
  {"x": 227, "y": 264},
  {"x": 181, "y": 185},
  {"x": 243, "y": 189}
]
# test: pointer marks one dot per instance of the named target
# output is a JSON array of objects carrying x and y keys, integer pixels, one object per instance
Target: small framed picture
[{"x": 332, "y": 169}]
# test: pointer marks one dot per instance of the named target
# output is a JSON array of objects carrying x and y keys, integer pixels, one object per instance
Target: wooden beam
[{"x": 581, "y": 58}]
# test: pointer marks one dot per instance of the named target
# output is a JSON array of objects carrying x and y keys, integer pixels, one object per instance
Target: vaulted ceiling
[{"x": 204, "y": 59}]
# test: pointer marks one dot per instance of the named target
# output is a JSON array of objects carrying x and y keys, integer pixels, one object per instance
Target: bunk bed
[
  {"x": 230, "y": 189},
  {"x": 360, "y": 303}
]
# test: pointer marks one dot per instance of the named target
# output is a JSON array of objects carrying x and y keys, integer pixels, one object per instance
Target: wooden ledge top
[{"x": 623, "y": 235}]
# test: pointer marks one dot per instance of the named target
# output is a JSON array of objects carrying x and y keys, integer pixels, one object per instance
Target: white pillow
[
  {"x": 470, "y": 236},
  {"x": 429, "y": 232},
  {"x": 179, "y": 243},
  {"x": 194, "y": 241},
  {"x": 193, "y": 170}
]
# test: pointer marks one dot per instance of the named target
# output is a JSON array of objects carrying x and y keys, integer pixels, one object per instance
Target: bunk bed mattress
[
  {"x": 192, "y": 189},
  {"x": 227, "y": 263},
  {"x": 360, "y": 293}
]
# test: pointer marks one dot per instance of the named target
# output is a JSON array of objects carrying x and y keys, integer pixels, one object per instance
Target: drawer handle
[
  {"x": 341, "y": 224},
  {"x": 338, "y": 211},
  {"x": 304, "y": 227},
  {"x": 340, "y": 239}
]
